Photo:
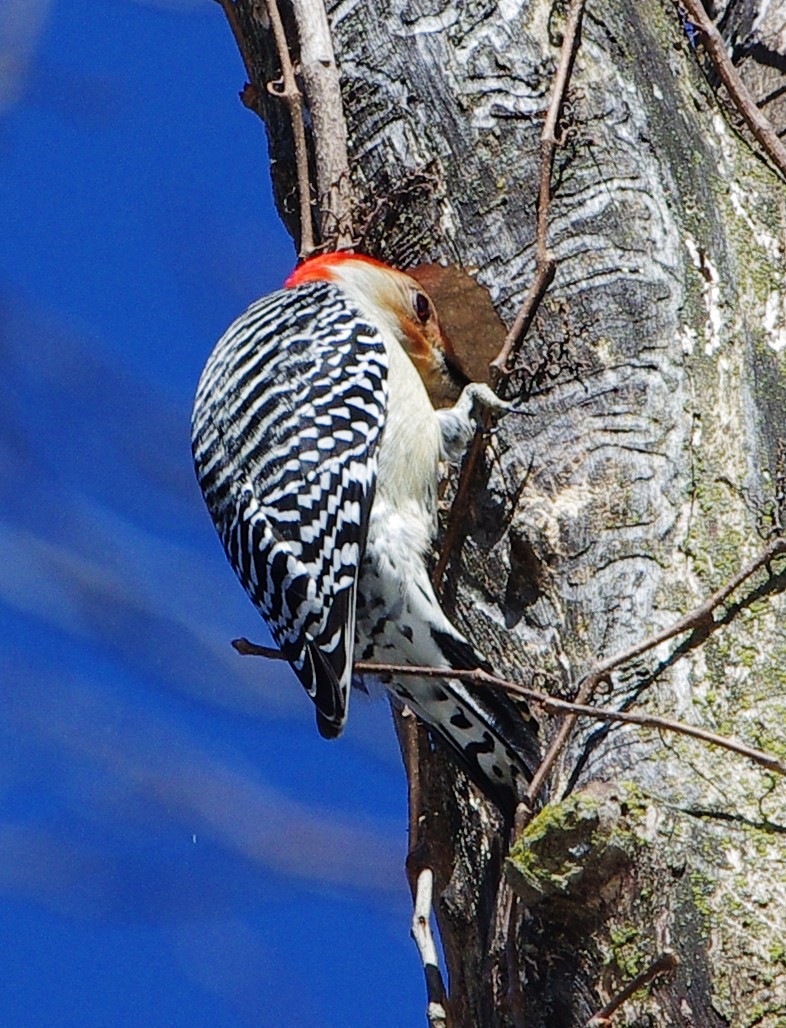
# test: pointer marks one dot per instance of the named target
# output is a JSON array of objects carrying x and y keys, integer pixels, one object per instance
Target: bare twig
[
  {"x": 664, "y": 963},
  {"x": 700, "y": 620},
  {"x": 248, "y": 649},
  {"x": 515, "y": 995},
  {"x": 545, "y": 266},
  {"x": 764, "y": 759},
  {"x": 419, "y": 866},
  {"x": 410, "y": 749},
  {"x": 328, "y": 126},
  {"x": 287, "y": 89},
  {"x": 738, "y": 91},
  {"x": 420, "y": 877},
  {"x": 317, "y": 66},
  {"x": 700, "y": 617},
  {"x": 458, "y": 509},
  {"x": 424, "y": 940},
  {"x": 573, "y": 710},
  {"x": 561, "y": 708},
  {"x": 545, "y": 263}
]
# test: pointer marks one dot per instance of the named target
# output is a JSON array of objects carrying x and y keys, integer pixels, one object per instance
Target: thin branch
[
  {"x": 515, "y": 995},
  {"x": 738, "y": 91},
  {"x": 570, "y": 710},
  {"x": 458, "y": 509},
  {"x": 573, "y": 710},
  {"x": 420, "y": 877},
  {"x": 328, "y": 125},
  {"x": 248, "y": 649},
  {"x": 700, "y": 618},
  {"x": 545, "y": 263},
  {"x": 664, "y": 963},
  {"x": 410, "y": 747},
  {"x": 761, "y": 757},
  {"x": 287, "y": 89},
  {"x": 424, "y": 940},
  {"x": 545, "y": 266},
  {"x": 411, "y": 736}
]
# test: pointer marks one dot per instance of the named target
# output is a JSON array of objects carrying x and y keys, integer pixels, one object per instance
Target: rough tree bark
[{"x": 641, "y": 478}]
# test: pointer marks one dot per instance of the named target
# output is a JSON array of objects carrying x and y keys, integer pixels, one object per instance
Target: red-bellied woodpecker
[{"x": 317, "y": 446}]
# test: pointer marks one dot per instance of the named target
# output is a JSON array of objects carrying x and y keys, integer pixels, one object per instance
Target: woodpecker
[{"x": 320, "y": 422}]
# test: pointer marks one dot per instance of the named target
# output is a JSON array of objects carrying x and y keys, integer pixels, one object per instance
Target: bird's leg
[
  {"x": 480, "y": 397},
  {"x": 457, "y": 423}
]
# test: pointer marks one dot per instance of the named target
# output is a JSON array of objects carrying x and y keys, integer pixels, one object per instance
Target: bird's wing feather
[{"x": 295, "y": 396}]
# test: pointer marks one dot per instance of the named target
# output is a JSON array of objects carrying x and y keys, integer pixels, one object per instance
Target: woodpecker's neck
[{"x": 410, "y": 447}]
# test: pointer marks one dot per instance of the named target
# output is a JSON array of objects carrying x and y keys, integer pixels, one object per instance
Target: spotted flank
[
  {"x": 492, "y": 738},
  {"x": 490, "y": 735}
]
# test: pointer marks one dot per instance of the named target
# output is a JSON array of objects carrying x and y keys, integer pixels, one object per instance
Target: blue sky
[{"x": 177, "y": 844}]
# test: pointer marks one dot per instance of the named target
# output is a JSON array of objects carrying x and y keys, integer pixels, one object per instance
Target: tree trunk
[{"x": 643, "y": 474}]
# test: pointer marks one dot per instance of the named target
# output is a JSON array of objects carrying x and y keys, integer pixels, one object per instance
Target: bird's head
[{"x": 391, "y": 300}]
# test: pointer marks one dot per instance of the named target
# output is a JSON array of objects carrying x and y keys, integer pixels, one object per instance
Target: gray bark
[{"x": 649, "y": 451}]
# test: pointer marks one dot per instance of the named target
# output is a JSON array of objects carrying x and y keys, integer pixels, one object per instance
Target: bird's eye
[{"x": 422, "y": 307}]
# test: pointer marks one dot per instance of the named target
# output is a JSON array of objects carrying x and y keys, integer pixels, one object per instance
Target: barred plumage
[
  {"x": 317, "y": 449},
  {"x": 285, "y": 440}
]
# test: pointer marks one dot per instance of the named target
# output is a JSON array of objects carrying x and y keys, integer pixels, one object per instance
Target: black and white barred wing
[{"x": 286, "y": 425}]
